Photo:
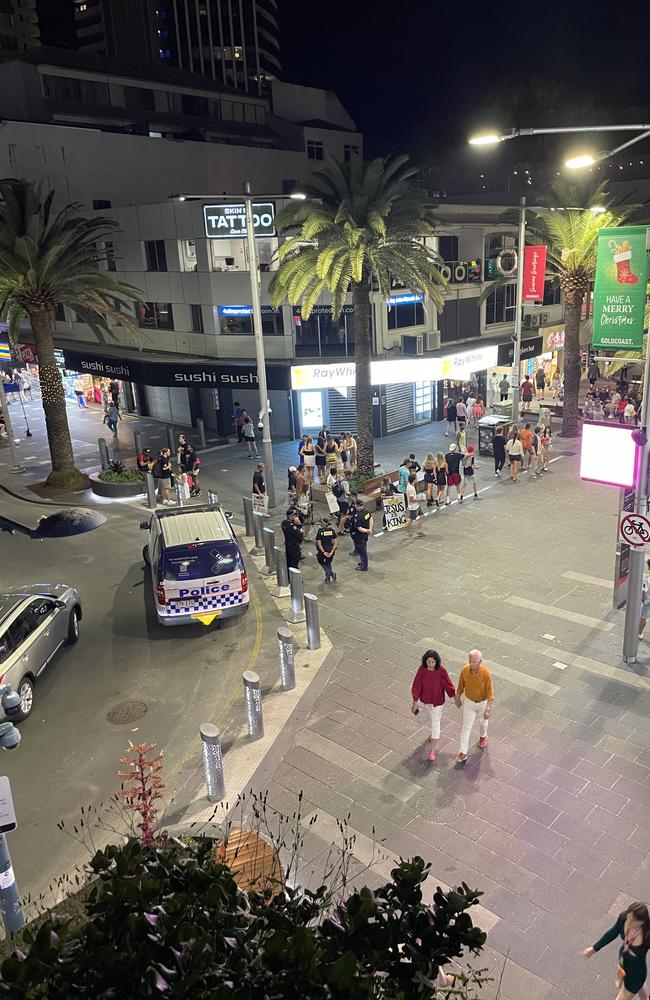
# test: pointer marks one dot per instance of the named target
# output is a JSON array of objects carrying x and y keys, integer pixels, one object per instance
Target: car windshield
[{"x": 201, "y": 561}]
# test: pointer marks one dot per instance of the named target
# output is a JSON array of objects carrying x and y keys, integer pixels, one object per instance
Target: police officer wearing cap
[
  {"x": 293, "y": 537},
  {"x": 326, "y": 542},
  {"x": 361, "y": 529}
]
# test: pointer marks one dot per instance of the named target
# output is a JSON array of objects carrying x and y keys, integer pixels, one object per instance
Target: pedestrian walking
[
  {"x": 114, "y": 390},
  {"x": 453, "y": 460},
  {"x": 493, "y": 390},
  {"x": 514, "y": 451},
  {"x": 78, "y": 387},
  {"x": 452, "y": 417},
  {"x": 461, "y": 438},
  {"x": 430, "y": 477},
  {"x": 361, "y": 529},
  {"x": 104, "y": 394},
  {"x": 526, "y": 438},
  {"x": 414, "y": 513},
  {"x": 441, "y": 477},
  {"x": 248, "y": 432},
  {"x": 236, "y": 414},
  {"x": 479, "y": 410},
  {"x": 430, "y": 686},
  {"x": 633, "y": 927},
  {"x": 112, "y": 416},
  {"x": 461, "y": 414},
  {"x": 475, "y": 683},
  {"x": 470, "y": 403},
  {"x": 593, "y": 373},
  {"x": 540, "y": 382},
  {"x": 341, "y": 490},
  {"x": 499, "y": 451},
  {"x": 469, "y": 474},
  {"x": 192, "y": 465},
  {"x": 326, "y": 542},
  {"x": 259, "y": 485},
  {"x": 527, "y": 393},
  {"x": 504, "y": 389},
  {"x": 293, "y": 537}
]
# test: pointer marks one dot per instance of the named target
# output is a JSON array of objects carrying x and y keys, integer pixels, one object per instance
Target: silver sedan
[{"x": 34, "y": 622}]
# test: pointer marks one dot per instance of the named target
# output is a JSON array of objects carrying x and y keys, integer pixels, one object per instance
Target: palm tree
[
  {"x": 362, "y": 222},
  {"x": 49, "y": 259}
]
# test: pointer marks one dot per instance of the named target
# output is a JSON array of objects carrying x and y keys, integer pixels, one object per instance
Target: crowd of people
[{"x": 168, "y": 476}]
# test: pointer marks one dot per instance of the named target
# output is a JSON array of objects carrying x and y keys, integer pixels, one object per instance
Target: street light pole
[
  {"x": 253, "y": 271},
  {"x": 516, "y": 354}
]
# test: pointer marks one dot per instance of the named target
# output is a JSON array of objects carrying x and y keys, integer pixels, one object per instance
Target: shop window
[
  {"x": 314, "y": 149},
  {"x": 155, "y": 255},
  {"x": 154, "y": 315},
  {"x": 196, "y": 316},
  {"x": 59, "y": 313},
  {"x": 552, "y": 292},
  {"x": 349, "y": 152},
  {"x": 405, "y": 314},
  {"x": 188, "y": 255},
  {"x": 227, "y": 255},
  {"x": 238, "y": 321},
  {"x": 448, "y": 248},
  {"x": 500, "y": 305}
]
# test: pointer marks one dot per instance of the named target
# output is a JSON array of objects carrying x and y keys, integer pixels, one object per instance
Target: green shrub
[{"x": 125, "y": 476}]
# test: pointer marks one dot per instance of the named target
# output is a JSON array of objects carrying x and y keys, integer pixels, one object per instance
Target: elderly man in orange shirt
[{"x": 475, "y": 683}]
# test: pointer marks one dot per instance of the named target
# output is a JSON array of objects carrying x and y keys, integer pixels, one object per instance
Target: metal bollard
[
  {"x": 138, "y": 442},
  {"x": 258, "y": 528},
  {"x": 281, "y": 573},
  {"x": 296, "y": 614},
  {"x": 313, "y": 621},
  {"x": 253, "y": 694},
  {"x": 171, "y": 444},
  {"x": 213, "y": 498},
  {"x": 248, "y": 516},
  {"x": 103, "y": 453},
  {"x": 180, "y": 495},
  {"x": 268, "y": 535},
  {"x": 213, "y": 762},
  {"x": 12, "y": 914},
  {"x": 200, "y": 430},
  {"x": 151, "y": 489},
  {"x": 287, "y": 664}
]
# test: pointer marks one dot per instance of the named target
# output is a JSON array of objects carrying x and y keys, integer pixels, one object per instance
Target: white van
[{"x": 197, "y": 570}]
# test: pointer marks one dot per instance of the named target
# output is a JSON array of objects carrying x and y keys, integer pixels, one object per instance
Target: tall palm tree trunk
[
  {"x": 362, "y": 355},
  {"x": 64, "y": 473},
  {"x": 570, "y": 413}
]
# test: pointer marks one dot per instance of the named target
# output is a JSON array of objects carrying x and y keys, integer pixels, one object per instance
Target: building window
[
  {"x": 349, "y": 152},
  {"x": 59, "y": 313},
  {"x": 314, "y": 149},
  {"x": 155, "y": 255},
  {"x": 552, "y": 292},
  {"x": 405, "y": 314},
  {"x": 139, "y": 98},
  {"x": 238, "y": 321},
  {"x": 196, "y": 316},
  {"x": 500, "y": 306},
  {"x": 188, "y": 255},
  {"x": 154, "y": 315},
  {"x": 101, "y": 203},
  {"x": 109, "y": 256}
]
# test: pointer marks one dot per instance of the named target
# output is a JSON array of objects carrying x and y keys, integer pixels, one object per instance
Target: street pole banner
[
  {"x": 620, "y": 288},
  {"x": 534, "y": 273},
  {"x": 395, "y": 511}
]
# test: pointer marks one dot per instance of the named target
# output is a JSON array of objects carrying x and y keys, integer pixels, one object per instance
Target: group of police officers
[{"x": 359, "y": 523}]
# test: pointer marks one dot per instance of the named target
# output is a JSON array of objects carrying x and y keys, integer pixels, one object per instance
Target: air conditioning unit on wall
[
  {"x": 432, "y": 340},
  {"x": 534, "y": 319},
  {"x": 412, "y": 345}
]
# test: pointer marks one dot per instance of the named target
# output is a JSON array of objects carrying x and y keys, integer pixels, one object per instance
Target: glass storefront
[{"x": 321, "y": 334}]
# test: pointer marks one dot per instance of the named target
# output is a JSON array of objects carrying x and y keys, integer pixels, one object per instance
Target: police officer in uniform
[
  {"x": 326, "y": 541},
  {"x": 361, "y": 529},
  {"x": 293, "y": 537}
]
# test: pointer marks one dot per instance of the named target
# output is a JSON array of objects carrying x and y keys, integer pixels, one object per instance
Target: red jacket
[{"x": 429, "y": 686}]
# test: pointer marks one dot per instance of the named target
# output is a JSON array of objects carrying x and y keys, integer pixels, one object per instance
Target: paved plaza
[{"x": 551, "y": 820}]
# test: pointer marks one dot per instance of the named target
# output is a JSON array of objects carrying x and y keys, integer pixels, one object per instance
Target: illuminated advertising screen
[{"x": 608, "y": 454}]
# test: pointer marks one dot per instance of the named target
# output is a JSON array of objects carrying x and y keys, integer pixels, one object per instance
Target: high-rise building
[
  {"x": 234, "y": 42},
  {"x": 18, "y": 27}
]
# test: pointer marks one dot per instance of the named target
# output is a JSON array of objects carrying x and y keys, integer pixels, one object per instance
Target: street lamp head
[
  {"x": 598, "y": 209},
  {"x": 298, "y": 196},
  {"x": 576, "y": 162},
  {"x": 487, "y": 139}
]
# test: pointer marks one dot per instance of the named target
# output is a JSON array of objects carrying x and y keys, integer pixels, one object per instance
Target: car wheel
[
  {"x": 145, "y": 554},
  {"x": 73, "y": 628},
  {"x": 25, "y": 692}
]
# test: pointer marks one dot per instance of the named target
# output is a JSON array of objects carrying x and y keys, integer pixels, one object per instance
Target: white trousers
[
  {"x": 471, "y": 711},
  {"x": 435, "y": 711}
]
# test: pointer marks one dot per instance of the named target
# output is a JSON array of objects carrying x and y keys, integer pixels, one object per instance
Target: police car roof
[{"x": 181, "y": 527}]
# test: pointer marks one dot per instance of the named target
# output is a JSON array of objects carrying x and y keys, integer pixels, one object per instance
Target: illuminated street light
[
  {"x": 487, "y": 140},
  {"x": 576, "y": 162}
]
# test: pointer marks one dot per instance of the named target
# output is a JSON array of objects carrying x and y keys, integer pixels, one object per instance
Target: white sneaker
[
  {"x": 447, "y": 502},
  {"x": 640, "y": 638}
]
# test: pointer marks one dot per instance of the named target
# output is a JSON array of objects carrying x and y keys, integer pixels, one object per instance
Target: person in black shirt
[
  {"x": 293, "y": 537},
  {"x": 259, "y": 486},
  {"x": 361, "y": 529},
  {"x": 192, "y": 464},
  {"x": 453, "y": 458},
  {"x": 325, "y": 548},
  {"x": 452, "y": 414},
  {"x": 499, "y": 451},
  {"x": 415, "y": 466}
]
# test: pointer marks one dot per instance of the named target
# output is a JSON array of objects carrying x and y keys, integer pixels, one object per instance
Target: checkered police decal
[{"x": 209, "y": 602}]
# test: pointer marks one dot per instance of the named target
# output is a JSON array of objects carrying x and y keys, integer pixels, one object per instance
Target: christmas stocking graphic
[{"x": 622, "y": 253}]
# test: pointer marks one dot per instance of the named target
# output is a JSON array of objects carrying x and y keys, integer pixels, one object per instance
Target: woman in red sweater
[{"x": 430, "y": 685}]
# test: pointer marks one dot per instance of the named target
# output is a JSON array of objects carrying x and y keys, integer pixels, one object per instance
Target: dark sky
[{"x": 418, "y": 75}]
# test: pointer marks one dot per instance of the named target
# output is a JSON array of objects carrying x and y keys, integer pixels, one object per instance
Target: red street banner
[{"x": 534, "y": 273}]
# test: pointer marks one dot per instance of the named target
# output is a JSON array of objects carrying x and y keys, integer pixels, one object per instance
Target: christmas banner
[
  {"x": 620, "y": 288},
  {"x": 534, "y": 273}
]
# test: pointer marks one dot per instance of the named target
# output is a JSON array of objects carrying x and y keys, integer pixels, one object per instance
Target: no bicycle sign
[{"x": 634, "y": 529}]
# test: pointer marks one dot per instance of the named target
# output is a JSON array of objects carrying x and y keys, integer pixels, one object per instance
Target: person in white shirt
[
  {"x": 414, "y": 513},
  {"x": 471, "y": 417},
  {"x": 493, "y": 390}
]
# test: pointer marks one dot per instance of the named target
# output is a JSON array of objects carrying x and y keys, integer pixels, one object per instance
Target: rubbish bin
[{"x": 487, "y": 427}]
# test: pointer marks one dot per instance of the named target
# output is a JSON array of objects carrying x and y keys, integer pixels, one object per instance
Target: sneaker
[
  {"x": 447, "y": 502},
  {"x": 461, "y": 758},
  {"x": 483, "y": 742},
  {"x": 360, "y": 569},
  {"x": 460, "y": 499},
  {"x": 333, "y": 577},
  {"x": 534, "y": 475},
  {"x": 432, "y": 755},
  {"x": 327, "y": 579},
  {"x": 640, "y": 638},
  {"x": 496, "y": 475}
]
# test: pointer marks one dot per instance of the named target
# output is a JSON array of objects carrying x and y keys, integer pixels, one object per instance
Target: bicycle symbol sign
[{"x": 635, "y": 530}]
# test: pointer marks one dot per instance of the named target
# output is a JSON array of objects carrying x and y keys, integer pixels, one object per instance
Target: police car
[{"x": 197, "y": 570}]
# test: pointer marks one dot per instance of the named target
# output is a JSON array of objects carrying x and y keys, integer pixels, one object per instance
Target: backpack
[
  {"x": 157, "y": 469},
  {"x": 338, "y": 490}
]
